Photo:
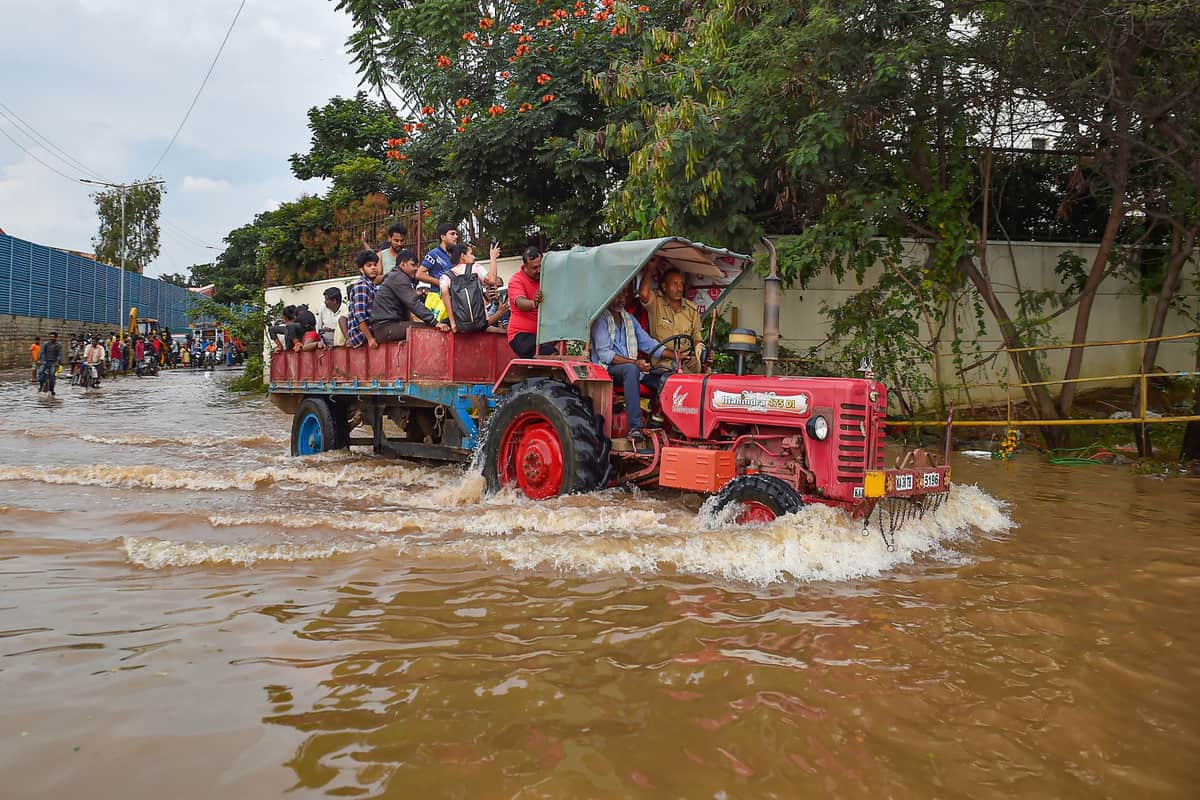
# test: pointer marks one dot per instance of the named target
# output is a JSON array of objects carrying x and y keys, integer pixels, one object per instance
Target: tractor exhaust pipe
[{"x": 772, "y": 299}]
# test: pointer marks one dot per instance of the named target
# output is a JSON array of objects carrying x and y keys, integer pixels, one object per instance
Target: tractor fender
[
  {"x": 591, "y": 380},
  {"x": 568, "y": 370}
]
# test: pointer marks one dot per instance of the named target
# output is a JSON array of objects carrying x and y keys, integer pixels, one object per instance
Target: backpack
[{"x": 466, "y": 303}]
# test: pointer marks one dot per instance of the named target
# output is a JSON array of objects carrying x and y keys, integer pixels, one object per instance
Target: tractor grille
[
  {"x": 880, "y": 442},
  {"x": 852, "y": 443}
]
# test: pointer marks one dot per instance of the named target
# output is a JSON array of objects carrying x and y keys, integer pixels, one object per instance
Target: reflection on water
[{"x": 183, "y": 606}]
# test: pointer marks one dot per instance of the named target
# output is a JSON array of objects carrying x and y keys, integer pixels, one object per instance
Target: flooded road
[{"x": 187, "y": 612}]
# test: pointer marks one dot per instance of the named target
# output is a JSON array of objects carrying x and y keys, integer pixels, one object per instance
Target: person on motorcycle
[{"x": 93, "y": 357}]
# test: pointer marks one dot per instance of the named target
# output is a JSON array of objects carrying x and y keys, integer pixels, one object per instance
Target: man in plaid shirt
[{"x": 360, "y": 297}]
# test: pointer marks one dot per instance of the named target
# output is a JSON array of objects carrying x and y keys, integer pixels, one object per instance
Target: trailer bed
[{"x": 428, "y": 356}]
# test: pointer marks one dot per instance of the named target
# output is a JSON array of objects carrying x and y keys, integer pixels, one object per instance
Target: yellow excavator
[{"x": 145, "y": 327}]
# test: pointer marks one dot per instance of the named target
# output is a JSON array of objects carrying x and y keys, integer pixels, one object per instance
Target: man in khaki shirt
[{"x": 669, "y": 314}]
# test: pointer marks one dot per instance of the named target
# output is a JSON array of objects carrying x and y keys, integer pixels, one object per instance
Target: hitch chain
[
  {"x": 900, "y": 512},
  {"x": 439, "y": 420}
]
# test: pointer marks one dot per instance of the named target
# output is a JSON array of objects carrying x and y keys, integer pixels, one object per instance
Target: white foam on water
[
  {"x": 359, "y": 522},
  {"x": 136, "y": 476},
  {"x": 148, "y": 476},
  {"x": 146, "y": 440},
  {"x": 819, "y": 543},
  {"x": 161, "y": 554}
]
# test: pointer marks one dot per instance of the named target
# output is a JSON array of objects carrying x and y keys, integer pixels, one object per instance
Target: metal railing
[{"x": 1143, "y": 379}]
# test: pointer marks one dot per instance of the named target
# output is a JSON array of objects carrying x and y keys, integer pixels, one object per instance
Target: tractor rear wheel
[
  {"x": 545, "y": 441},
  {"x": 315, "y": 428},
  {"x": 762, "y": 498}
]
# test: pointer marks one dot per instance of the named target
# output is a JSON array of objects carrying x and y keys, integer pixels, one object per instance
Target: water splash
[{"x": 612, "y": 532}]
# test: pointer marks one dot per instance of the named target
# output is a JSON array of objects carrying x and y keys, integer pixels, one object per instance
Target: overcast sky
[{"x": 108, "y": 81}]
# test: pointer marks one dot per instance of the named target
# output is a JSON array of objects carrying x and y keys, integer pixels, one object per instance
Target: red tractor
[
  {"x": 769, "y": 444},
  {"x": 555, "y": 425}
]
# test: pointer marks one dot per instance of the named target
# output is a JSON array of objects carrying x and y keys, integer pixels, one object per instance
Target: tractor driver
[
  {"x": 670, "y": 314},
  {"x": 616, "y": 340}
]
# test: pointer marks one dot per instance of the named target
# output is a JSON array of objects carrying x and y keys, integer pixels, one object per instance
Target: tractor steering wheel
[{"x": 682, "y": 338}]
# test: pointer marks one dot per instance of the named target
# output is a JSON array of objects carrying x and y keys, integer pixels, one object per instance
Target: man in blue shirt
[
  {"x": 437, "y": 261},
  {"x": 616, "y": 340}
]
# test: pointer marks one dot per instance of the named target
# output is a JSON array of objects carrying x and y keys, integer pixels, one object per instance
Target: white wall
[{"x": 1118, "y": 313}]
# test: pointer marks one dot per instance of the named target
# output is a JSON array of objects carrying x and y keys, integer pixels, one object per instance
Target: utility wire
[
  {"x": 35, "y": 158},
  {"x": 203, "y": 83},
  {"x": 62, "y": 155}
]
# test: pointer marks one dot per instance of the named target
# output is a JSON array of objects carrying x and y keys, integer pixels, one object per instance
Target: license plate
[
  {"x": 904, "y": 483},
  {"x": 931, "y": 480}
]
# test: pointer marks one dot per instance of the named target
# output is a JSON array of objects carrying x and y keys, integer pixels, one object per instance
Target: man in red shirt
[{"x": 524, "y": 297}]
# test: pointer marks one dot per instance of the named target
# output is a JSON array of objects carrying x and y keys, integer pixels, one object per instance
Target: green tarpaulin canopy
[{"x": 579, "y": 283}]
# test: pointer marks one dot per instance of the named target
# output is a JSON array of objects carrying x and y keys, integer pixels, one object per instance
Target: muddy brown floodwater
[{"x": 187, "y": 612}]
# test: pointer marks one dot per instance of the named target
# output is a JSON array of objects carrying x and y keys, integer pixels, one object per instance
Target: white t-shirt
[
  {"x": 329, "y": 319},
  {"x": 477, "y": 268},
  {"x": 94, "y": 354}
]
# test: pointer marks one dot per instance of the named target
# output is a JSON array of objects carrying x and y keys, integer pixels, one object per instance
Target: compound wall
[{"x": 74, "y": 294}]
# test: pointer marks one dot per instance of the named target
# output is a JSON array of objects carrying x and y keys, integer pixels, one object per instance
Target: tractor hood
[{"x": 579, "y": 283}]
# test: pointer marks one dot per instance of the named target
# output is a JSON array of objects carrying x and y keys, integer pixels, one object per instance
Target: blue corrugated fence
[{"x": 38, "y": 281}]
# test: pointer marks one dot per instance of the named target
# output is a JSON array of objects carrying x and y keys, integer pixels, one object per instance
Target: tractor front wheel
[
  {"x": 545, "y": 441},
  {"x": 762, "y": 498}
]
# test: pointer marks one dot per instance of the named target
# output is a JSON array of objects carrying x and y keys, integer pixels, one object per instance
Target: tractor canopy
[{"x": 579, "y": 283}]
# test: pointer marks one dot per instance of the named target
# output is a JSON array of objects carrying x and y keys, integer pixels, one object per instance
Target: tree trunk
[
  {"x": 1181, "y": 250},
  {"x": 1024, "y": 362},
  {"x": 1116, "y": 216}
]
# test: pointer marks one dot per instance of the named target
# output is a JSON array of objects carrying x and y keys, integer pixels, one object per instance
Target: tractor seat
[{"x": 618, "y": 389}]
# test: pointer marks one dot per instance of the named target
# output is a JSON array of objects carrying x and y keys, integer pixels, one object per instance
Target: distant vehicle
[{"x": 145, "y": 327}]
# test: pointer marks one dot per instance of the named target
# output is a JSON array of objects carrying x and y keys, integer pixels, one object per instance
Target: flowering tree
[{"x": 491, "y": 99}]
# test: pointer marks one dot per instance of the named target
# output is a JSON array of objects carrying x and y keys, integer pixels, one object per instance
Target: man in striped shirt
[{"x": 360, "y": 298}]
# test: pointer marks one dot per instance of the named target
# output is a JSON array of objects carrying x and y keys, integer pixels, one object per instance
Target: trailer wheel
[
  {"x": 544, "y": 440},
  {"x": 314, "y": 428},
  {"x": 762, "y": 498}
]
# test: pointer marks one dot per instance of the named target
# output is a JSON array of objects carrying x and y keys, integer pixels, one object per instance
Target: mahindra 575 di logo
[
  {"x": 762, "y": 402},
  {"x": 678, "y": 398}
]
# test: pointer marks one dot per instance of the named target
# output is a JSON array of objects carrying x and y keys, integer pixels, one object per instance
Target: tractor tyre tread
[
  {"x": 590, "y": 466},
  {"x": 766, "y": 489}
]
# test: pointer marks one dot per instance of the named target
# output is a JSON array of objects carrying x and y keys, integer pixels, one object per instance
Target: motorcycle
[
  {"x": 148, "y": 365},
  {"x": 88, "y": 376}
]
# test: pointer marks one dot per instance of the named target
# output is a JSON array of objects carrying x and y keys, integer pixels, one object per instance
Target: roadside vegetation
[{"x": 848, "y": 128}]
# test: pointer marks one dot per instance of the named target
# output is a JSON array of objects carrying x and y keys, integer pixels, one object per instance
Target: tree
[
  {"x": 491, "y": 99},
  {"x": 344, "y": 130},
  {"x": 175, "y": 279},
  {"x": 141, "y": 211}
]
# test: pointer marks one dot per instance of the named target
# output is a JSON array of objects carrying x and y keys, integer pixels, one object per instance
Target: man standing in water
[
  {"x": 34, "y": 349},
  {"x": 48, "y": 359}
]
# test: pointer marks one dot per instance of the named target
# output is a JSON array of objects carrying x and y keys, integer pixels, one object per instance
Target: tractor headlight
[{"x": 818, "y": 428}]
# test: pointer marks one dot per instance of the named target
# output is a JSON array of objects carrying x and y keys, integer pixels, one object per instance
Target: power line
[
  {"x": 62, "y": 155},
  {"x": 201, "y": 89},
  {"x": 35, "y": 158}
]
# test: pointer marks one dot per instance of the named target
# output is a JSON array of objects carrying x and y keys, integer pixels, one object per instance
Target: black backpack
[{"x": 466, "y": 303}]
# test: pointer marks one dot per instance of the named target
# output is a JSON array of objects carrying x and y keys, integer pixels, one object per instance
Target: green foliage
[
  {"x": 343, "y": 130},
  {"x": 175, "y": 279},
  {"x": 141, "y": 204},
  {"x": 251, "y": 379}
]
